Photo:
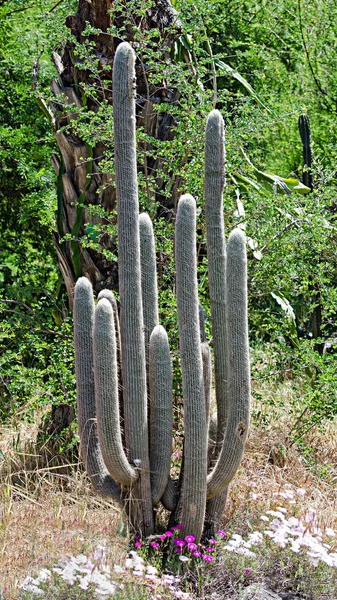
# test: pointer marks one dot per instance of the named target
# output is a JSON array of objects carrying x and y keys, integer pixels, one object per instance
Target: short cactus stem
[
  {"x": 149, "y": 279},
  {"x": 161, "y": 415}
]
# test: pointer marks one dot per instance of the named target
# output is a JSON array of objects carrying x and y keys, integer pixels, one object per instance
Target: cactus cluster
[{"x": 126, "y": 438}]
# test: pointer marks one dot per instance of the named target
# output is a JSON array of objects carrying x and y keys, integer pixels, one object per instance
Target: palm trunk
[{"x": 80, "y": 180}]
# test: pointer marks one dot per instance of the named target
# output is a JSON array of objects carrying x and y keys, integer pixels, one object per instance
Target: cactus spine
[{"x": 136, "y": 470}]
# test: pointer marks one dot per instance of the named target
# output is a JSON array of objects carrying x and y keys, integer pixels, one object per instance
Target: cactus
[
  {"x": 304, "y": 129},
  {"x": 133, "y": 465}
]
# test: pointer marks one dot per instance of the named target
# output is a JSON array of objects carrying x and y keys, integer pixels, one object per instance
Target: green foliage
[{"x": 35, "y": 347}]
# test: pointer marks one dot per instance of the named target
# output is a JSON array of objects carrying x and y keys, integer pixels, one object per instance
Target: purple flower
[
  {"x": 197, "y": 553},
  {"x": 192, "y": 547},
  {"x": 138, "y": 544},
  {"x": 221, "y": 533},
  {"x": 168, "y": 533},
  {"x": 207, "y": 557},
  {"x": 190, "y": 538},
  {"x": 154, "y": 545},
  {"x": 177, "y": 527},
  {"x": 179, "y": 542},
  {"x": 210, "y": 549},
  {"x": 248, "y": 572},
  {"x": 136, "y": 537},
  {"x": 212, "y": 541}
]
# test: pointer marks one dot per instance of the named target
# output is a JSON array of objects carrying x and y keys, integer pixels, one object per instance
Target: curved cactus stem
[
  {"x": 131, "y": 313},
  {"x": 106, "y": 389},
  {"x": 239, "y": 370},
  {"x": 161, "y": 417},
  {"x": 85, "y": 391},
  {"x": 207, "y": 374},
  {"x": 149, "y": 279},
  {"x": 195, "y": 445},
  {"x": 169, "y": 499},
  {"x": 216, "y": 255},
  {"x": 108, "y": 294}
]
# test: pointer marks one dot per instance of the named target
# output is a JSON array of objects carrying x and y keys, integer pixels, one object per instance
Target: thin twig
[{"x": 27, "y": 307}]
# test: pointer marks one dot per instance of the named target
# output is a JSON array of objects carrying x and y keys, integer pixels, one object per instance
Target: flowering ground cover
[{"x": 59, "y": 540}]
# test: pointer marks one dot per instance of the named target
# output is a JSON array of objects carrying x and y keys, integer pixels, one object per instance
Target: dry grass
[{"x": 51, "y": 515}]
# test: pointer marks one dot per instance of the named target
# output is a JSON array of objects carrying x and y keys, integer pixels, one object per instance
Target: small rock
[{"x": 257, "y": 591}]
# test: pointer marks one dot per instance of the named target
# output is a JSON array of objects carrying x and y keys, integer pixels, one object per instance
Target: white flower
[
  {"x": 330, "y": 532},
  {"x": 256, "y": 537},
  {"x": 44, "y": 575},
  {"x": 275, "y": 513},
  {"x": 301, "y": 491},
  {"x": 264, "y": 518},
  {"x": 151, "y": 570},
  {"x": 183, "y": 558},
  {"x": 118, "y": 569},
  {"x": 29, "y": 586}
]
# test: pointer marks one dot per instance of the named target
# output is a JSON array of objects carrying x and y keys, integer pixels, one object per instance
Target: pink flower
[
  {"x": 248, "y": 572},
  {"x": 177, "y": 527},
  {"x": 192, "y": 547},
  {"x": 210, "y": 549},
  {"x": 190, "y": 539},
  {"x": 207, "y": 557},
  {"x": 212, "y": 541},
  {"x": 162, "y": 536},
  {"x": 67, "y": 541},
  {"x": 168, "y": 533},
  {"x": 221, "y": 533},
  {"x": 105, "y": 528},
  {"x": 197, "y": 553},
  {"x": 154, "y": 545},
  {"x": 138, "y": 544},
  {"x": 179, "y": 542}
]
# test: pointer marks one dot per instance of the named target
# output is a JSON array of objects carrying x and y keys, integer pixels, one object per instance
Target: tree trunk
[{"x": 80, "y": 180}]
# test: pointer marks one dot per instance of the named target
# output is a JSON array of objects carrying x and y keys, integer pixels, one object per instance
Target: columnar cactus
[
  {"x": 133, "y": 465},
  {"x": 305, "y": 133}
]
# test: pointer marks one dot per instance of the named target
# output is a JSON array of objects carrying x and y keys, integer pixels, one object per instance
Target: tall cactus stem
[
  {"x": 195, "y": 445},
  {"x": 131, "y": 313},
  {"x": 85, "y": 391},
  {"x": 239, "y": 370},
  {"x": 106, "y": 389},
  {"x": 161, "y": 416},
  {"x": 216, "y": 255}
]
